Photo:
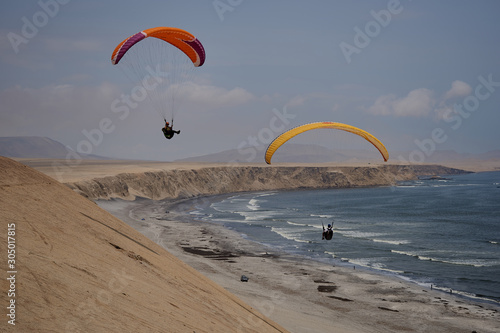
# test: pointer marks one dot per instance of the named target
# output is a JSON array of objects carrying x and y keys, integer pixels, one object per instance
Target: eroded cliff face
[{"x": 179, "y": 184}]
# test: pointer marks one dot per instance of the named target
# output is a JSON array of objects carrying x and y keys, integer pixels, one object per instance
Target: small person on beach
[
  {"x": 327, "y": 233},
  {"x": 168, "y": 131}
]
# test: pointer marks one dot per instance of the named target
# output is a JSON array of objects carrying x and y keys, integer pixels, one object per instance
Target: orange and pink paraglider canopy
[{"x": 181, "y": 39}]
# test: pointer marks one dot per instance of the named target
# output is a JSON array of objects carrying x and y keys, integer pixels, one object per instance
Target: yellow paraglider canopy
[{"x": 280, "y": 140}]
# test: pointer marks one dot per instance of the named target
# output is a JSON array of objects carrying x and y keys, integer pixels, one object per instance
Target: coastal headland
[{"x": 162, "y": 180}]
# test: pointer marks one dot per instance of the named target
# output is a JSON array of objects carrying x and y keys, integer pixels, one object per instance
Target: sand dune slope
[{"x": 79, "y": 269}]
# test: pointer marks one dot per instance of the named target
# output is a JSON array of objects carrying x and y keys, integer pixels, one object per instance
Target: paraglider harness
[
  {"x": 168, "y": 130},
  {"x": 327, "y": 233}
]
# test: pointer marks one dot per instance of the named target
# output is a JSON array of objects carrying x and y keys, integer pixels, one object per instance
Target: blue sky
[{"x": 419, "y": 75}]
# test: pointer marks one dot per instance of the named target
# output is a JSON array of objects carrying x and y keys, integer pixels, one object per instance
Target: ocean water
[{"x": 444, "y": 233}]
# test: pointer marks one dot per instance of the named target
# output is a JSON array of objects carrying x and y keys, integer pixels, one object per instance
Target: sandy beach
[
  {"x": 302, "y": 295},
  {"x": 283, "y": 292}
]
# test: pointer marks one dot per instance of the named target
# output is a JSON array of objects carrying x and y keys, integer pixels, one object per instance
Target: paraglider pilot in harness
[
  {"x": 327, "y": 233},
  {"x": 168, "y": 131}
]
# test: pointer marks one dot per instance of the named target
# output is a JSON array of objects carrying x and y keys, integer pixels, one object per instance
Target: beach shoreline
[{"x": 300, "y": 294}]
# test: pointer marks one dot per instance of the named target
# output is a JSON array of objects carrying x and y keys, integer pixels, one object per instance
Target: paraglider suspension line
[{"x": 172, "y": 122}]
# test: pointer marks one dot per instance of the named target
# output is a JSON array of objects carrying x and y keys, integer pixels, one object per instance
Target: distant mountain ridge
[
  {"x": 36, "y": 147},
  {"x": 304, "y": 153},
  {"x": 298, "y": 153},
  {"x": 43, "y": 147}
]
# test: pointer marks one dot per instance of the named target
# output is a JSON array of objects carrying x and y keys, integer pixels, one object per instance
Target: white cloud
[
  {"x": 458, "y": 89},
  {"x": 417, "y": 103},
  {"x": 297, "y": 101},
  {"x": 383, "y": 105},
  {"x": 443, "y": 112}
]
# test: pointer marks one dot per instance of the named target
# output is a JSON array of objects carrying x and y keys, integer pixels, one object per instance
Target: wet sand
[{"x": 301, "y": 295}]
